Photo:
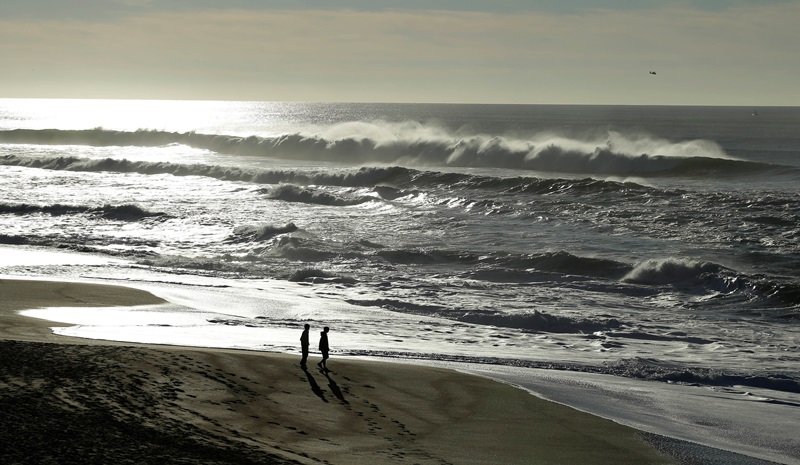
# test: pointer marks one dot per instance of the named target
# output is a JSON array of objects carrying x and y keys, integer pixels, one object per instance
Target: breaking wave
[
  {"x": 420, "y": 146},
  {"x": 127, "y": 212},
  {"x": 250, "y": 233},
  {"x": 293, "y": 193},
  {"x": 388, "y": 183},
  {"x": 364, "y": 177},
  {"x": 767, "y": 296},
  {"x": 655, "y": 370},
  {"x": 669, "y": 271},
  {"x": 502, "y": 266}
]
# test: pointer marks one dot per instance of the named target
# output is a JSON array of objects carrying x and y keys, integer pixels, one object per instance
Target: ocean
[{"x": 648, "y": 244}]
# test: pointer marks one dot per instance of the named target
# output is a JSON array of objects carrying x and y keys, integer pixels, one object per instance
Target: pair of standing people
[{"x": 323, "y": 347}]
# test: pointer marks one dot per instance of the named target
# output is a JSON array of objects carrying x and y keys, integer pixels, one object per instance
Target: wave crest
[
  {"x": 126, "y": 212},
  {"x": 294, "y": 193},
  {"x": 388, "y": 183},
  {"x": 669, "y": 271},
  {"x": 426, "y": 146},
  {"x": 250, "y": 233}
]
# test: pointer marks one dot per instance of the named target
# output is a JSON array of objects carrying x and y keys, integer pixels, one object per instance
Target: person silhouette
[
  {"x": 323, "y": 348},
  {"x": 304, "y": 345}
]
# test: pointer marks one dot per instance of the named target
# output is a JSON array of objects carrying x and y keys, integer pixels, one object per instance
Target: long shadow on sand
[
  {"x": 314, "y": 386},
  {"x": 335, "y": 388}
]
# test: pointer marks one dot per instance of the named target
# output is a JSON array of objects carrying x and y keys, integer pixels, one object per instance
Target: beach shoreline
[{"x": 145, "y": 403}]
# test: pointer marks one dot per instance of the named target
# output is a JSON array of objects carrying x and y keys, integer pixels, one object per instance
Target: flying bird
[{"x": 652, "y": 72}]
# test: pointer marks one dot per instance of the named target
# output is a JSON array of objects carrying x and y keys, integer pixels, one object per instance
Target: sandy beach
[{"x": 65, "y": 400}]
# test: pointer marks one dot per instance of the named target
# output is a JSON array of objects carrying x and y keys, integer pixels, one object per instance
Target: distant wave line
[
  {"x": 617, "y": 155},
  {"x": 387, "y": 179}
]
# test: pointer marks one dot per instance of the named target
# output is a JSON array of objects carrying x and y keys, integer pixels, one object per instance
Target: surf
[{"x": 414, "y": 145}]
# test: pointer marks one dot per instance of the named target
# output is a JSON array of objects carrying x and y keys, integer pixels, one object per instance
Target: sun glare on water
[{"x": 128, "y": 115}]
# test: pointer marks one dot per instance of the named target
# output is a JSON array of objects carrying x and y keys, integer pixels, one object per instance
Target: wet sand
[{"x": 68, "y": 400}]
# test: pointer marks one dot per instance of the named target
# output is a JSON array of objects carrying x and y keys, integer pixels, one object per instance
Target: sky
[{"x": 704, "y": 52}]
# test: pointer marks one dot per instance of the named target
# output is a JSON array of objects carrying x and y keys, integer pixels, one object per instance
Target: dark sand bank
[
  {"x": 68, "y": 403},
  {"x": 77, "y": 402}
]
